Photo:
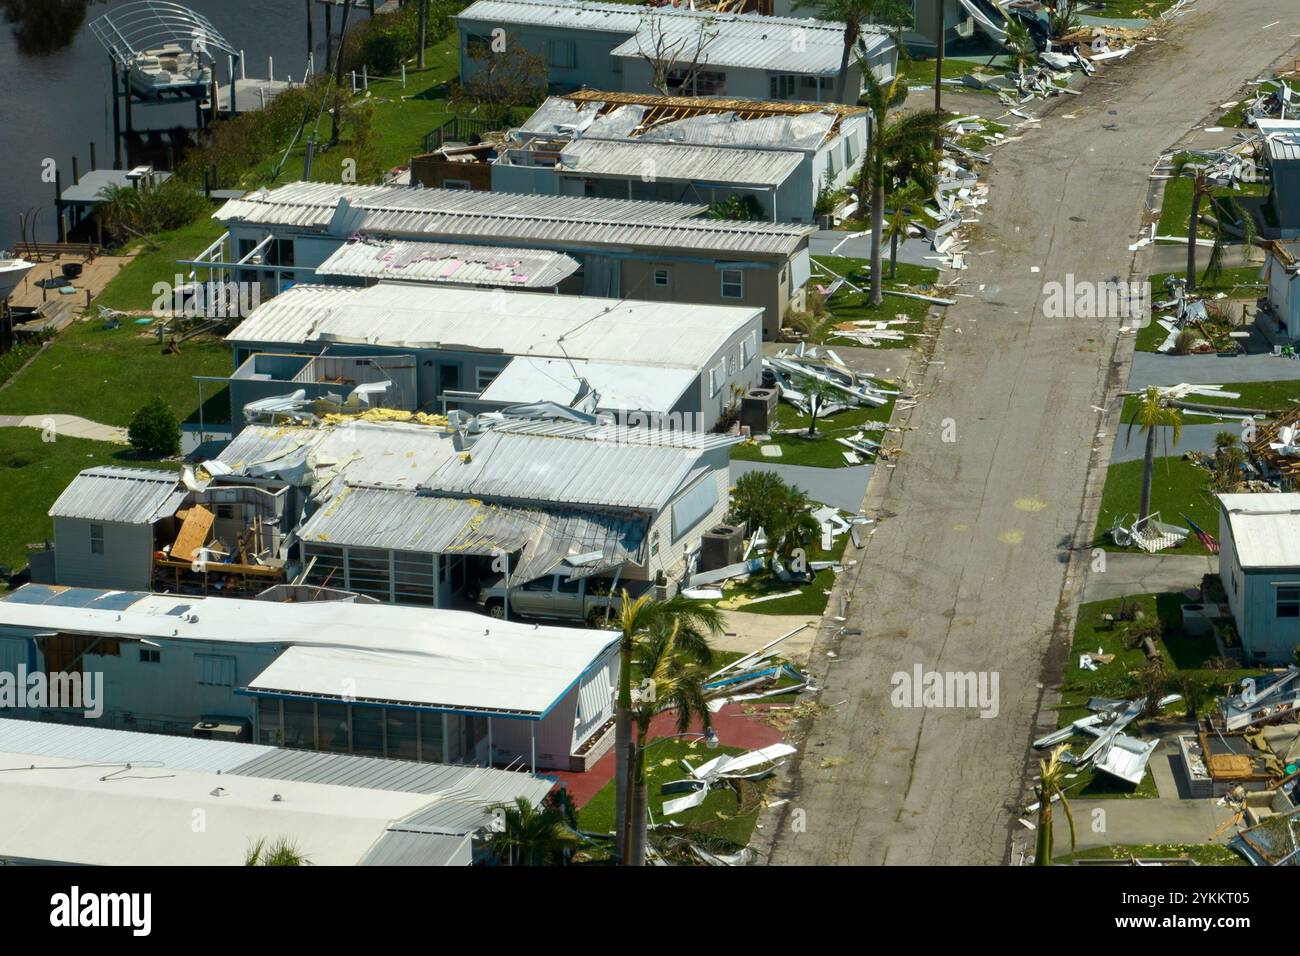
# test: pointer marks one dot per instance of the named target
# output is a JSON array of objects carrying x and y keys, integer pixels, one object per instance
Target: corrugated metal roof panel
[
  {"x": 521, "y": 467},
  {"x": 510, "y": 218},
  {"x": 413, "y": 848},
  {"x": 521, "y": 323},
  {"x": 678, "y": 161},
  {"x": 620, "y": 386},
  {"x": 450, "y": 264},
  {"x": 604, "y": 17},
  {"x": 749, "y": 41},
  {"x": 101, "y": 745},
  {"x": 115, "y": 494}
]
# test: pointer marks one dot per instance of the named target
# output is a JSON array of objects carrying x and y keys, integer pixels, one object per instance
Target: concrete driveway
[
  {"x": 972, "y": 568},
  {"x": 1151, "y": 368}
]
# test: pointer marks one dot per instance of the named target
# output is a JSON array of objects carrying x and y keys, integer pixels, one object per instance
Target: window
[
  {"x": 300, "y": 724},
  {"x": 150, "y": 655},
  {"x": 96, "y": 539},
  {"x": 486, "y": 376},
  {"x": 226, "y": 512},
  {"x": 782, "y": 86},
  {"x": 214, "y": 670},
  {"x": 662, "y": 278},
  {"x": 456, "y": 184},
  {"x": 334, "y": 730},
  {"x": 748, "y": 348},
  {"x": 733, "y": 284},
  {"x": 1288, "y": 600},
  {"x": 540, "y": 584},
  {"x": 562, "y": 54},
  {"x": 703, "y": 83},
  {"x": 478, "y": 45},
  {"x": 570, "y": 585},
  {"x": 717, "y": 377}
]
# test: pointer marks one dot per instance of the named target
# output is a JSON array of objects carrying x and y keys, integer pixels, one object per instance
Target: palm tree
[
  {"x": 533, "y": 836},
  {"x": 282, "y": 852},
  {"x": 819, "y": 393},
  {"x": 896, "y": 229},
  {"x": 855, "y": 14},
  {"x": 423, "y": 32},
  {"x": 792, "y": 525},
  {"x": 1020, "y": 45},
  {"x": 1202, "y": 188},
  {"x": 1152, "y": 413},
  {"x": 1050, "y": 787},
  {"x": 899, "y": 140},
  {"x": 638, "y": 620},
  {"x": 1153, "y": 678},
  {"x": 674, "y": 678}
]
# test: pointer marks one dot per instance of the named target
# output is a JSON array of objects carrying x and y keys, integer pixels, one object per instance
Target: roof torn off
[{"x": 449, "y": 264}]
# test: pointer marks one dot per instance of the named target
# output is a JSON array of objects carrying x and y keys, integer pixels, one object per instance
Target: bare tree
[{"x": 674, "y": 57}]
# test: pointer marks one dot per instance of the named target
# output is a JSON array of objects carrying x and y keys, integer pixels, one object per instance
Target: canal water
[{"x": 53, "y": 105}]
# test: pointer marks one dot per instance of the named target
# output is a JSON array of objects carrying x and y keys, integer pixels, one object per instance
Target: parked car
[{"x": 553, "y": 596}]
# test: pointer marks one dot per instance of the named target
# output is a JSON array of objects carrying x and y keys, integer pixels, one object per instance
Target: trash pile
[
  {"x": 1276, "y": 449},
  {"x": 1213, "y": 332},
  {"x": 1149, "y": 533},
  {"x": 1112, "y": 751},
  {"x": 1273, "y": 99},
  {"x": 791, "y": 369}
]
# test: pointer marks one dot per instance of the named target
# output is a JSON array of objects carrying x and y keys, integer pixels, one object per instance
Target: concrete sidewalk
[
  {"x": 67, "y": 426},
  {"x": 1151, "y": 368}
]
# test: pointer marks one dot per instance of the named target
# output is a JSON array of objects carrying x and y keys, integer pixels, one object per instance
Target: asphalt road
[{"x": 968, "y": 568}]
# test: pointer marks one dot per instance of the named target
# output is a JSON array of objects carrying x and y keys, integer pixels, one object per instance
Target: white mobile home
[
  {"x": 606, "y": 45},
  {"x": 1259, "y": 565},
  {"x": 618, "y": 356},
  {"x": 685, "y": 149},
  {"x": 338, "y": 676},
  {"x": 657, "y": 251}
]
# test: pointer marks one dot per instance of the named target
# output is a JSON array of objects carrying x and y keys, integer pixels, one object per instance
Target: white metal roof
[
  {"x": 575, "y": 469},
  {"x": 65, "y": 810},
  {"x": 680, "y": 162},
  {"x": 115, "y": 494},
  {"x": 509, "y": 219},
  {"x": 507, "y": 321},
  {"x": 449, "y": 264},
  {"x": 311, "y": 204},
  {"x": 621, "y": 386},
  {"x": 455, "y": 660},
  {"x": 1265, "y": 529},
  {"x": 102, "y": 745},
  {"x": 750, "y": 41},
  {"x": 569, "y": 14}
]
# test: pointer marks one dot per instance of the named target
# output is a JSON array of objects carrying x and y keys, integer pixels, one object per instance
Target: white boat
[
  {"x": 12, "y": 272},
  {"x": 168, "y": 67}
]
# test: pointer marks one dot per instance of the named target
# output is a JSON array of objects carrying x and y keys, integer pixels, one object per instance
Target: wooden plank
[{"x": 193, "y": 534}]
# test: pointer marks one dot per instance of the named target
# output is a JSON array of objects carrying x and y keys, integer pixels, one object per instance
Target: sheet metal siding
[
  {"x": 409, "y": 848},
  {"x": 126, "y": 562}
]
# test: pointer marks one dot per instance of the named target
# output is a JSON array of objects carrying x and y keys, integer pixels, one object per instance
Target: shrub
[{"x": 154, "y": 430}]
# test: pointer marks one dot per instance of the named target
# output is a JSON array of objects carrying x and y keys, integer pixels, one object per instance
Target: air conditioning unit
[
  {"x": 758, "y": 409},
  {"x": 224, "y": 728},
  {"x": 720, "y": 546}
]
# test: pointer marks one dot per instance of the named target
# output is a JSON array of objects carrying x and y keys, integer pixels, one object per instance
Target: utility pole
[
  {"x": 311, "y": 40},
  {"x": 938, "y": 55}
]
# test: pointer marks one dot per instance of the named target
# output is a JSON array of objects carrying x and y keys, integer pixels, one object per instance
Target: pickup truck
[{"x": 554, "y": 596}]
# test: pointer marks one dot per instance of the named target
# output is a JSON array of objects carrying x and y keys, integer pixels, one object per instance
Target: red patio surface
[{"x": 733, "y": 728}]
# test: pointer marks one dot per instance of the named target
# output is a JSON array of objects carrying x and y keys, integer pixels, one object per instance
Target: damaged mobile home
[
  {"x": 357, "y": 235},
  {"x": 341, "y": 676}
]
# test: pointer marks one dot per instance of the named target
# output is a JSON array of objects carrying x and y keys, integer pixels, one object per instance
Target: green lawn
[
  {"x": 1271, "y": 396},
  {"x": 720, "y": 815},
  {"x": 132, "y": 289},
  {"x": 33, "y": 473},
  {"x": 1205, "y": 854},
  {"x": 850, "y": 306},
  {"x": 1176, "y": 206},
  {"x": 811, "y": 599},
  {"x": 1129, "y": 9},
  {"x": 821, "y": 451},
  {"x": 921, "y": 72},
  {"x": 106, "y": 375},
  {"x": 402, "y": 117},
  {"x": 1183, "y": 655},
  {"x": 1239, "y": 282},
  {"x": 1176, "y": 486}
]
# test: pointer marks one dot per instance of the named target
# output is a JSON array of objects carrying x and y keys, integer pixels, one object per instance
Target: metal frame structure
[{"x": 147, "y": 24}]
